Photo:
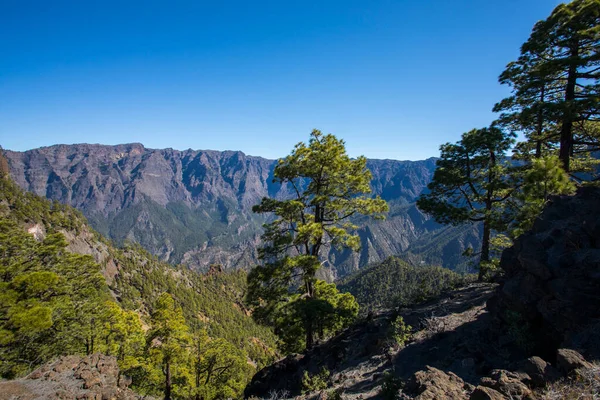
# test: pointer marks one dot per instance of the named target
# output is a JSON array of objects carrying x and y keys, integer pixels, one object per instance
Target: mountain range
[{"x": 194, "y": 207}]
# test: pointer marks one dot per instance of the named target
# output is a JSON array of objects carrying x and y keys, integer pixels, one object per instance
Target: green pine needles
[{"x": 328, "y": 188}]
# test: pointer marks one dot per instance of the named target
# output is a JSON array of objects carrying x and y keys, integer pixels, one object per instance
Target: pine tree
[
  {"x": 220, "y": 368},
  {"x": 470, "y": 184},
  {"x": 555, "y": 81},
  {"x": 545, "y": 177},
  {"x": 328, "y": 188},
  {"x": 169, "y": 341}
]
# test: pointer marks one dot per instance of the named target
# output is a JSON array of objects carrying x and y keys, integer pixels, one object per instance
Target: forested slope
[
  {"x": 66, "y": 290},
  {"x": 394, "y": 283}
]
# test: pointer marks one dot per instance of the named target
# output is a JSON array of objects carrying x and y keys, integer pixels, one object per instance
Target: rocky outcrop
[
  {"x": 72, "y": 377},
  {"x": 551, "y": 283},
  {"x": 432, "y": 384},
  {"x": 194, "y": 207},
  {"x": 359, "y": 357}
]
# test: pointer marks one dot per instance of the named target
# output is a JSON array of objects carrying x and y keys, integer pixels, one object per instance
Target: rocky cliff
[
  {"x": 552, "y": 276},
  {"x": 195, "y": 206}
]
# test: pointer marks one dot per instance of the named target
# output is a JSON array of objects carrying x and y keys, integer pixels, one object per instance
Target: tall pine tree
[
  {"x": 328, "y": 189},
  {"x": 470, "y": 184}
]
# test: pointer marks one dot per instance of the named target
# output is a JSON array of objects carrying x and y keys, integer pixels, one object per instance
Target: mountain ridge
[{"x": 194, "y": 206}]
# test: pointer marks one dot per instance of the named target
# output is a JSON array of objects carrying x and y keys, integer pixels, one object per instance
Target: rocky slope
[
  {"x": 195, "y": 206},
  {"x": 72, "y": 377},
  {"x": 533, "y": 336}
]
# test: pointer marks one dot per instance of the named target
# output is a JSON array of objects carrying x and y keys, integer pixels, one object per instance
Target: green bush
[
  {"x": 317, "y": 382},
  {"x": 401, "y": 332},
  {"x": 391, "y": 386}
]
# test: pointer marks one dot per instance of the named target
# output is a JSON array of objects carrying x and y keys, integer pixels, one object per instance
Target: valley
[{"x": 195, "y": 207}]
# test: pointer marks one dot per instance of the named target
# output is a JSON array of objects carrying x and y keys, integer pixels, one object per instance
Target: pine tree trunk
[
  {"x": 566, "y": 131},
  {"x": 197, "y": 397},
  {"x": 309, "y": 334},
  {"x": 168, "y": 381},
  {"x": 540, "y": 127},
  {"x": 308, "y": 324},
  {"x": 485, "y": 249}
]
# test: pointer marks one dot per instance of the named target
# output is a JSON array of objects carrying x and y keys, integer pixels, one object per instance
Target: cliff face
[
  {"x": 552, "y": 276},
  {"x": 195, "y": 206}
]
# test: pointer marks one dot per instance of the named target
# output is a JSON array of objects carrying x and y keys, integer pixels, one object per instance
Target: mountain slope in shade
[{"x": 195, "y": 207}]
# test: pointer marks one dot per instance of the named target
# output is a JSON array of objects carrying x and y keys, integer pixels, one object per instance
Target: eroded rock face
[
  {"x": 552, "y": 274},
  {"x": 195, "y": 207},
  {"x": 72, "y": 377}
]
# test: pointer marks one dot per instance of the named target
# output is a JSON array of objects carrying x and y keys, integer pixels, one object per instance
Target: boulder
[
  {"x": 510, "y": 384},
  {"x": 568, "y": 360},
  {"x": 433, "y": 384},
  {"x": 486, "y": 393},
  {"x": 72, "y": 377},
  {"x": 539, "y": 371}
]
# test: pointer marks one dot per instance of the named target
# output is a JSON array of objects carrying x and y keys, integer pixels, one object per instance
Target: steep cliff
[{"x": 194, "y": 207}]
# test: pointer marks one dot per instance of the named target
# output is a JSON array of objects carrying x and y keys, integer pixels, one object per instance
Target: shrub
[
  {"x": 315, "y": 382},
  {"x": 401, "y": 332}
]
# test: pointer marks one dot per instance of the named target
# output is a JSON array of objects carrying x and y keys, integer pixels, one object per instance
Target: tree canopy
[
  {"x": 555, "y": 82},
  {"x": 470, "y": 183},
  {"x": 328, "y": 188}
]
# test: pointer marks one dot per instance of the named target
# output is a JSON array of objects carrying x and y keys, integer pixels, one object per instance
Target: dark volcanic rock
[
  {"x": 195, "y": 207},
  {"x": 552, "y": 275}
]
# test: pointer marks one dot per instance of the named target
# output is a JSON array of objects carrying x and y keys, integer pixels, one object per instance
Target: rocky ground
[
  {"x": 526, "y": 337},
  {"x": 71, "y": 377}
]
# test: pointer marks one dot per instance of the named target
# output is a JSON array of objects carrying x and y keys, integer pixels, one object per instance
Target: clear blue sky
[{"x": 395, "y": 79}]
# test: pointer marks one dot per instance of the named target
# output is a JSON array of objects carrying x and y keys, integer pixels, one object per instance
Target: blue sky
[{"x": 394, "y": 79}]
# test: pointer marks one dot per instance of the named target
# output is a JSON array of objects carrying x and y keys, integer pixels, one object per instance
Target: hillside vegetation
[
  {"x": 54, "y": 301},
  {"x": 396, "y": 283}
]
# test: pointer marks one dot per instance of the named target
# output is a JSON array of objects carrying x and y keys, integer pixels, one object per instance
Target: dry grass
[{"x": 584, "y": 385}]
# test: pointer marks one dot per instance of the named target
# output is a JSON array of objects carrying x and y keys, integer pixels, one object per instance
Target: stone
[
  {"x": 486, "y": 393},
  {"x": 552, "y": 274},
  {"x": 568, "y": 360},
  {"x": 510, "y": 384},
  {"x": 73, "y": 377},
  {"x": 433, "y": 384},
  {"x": 540, "y": 372}
]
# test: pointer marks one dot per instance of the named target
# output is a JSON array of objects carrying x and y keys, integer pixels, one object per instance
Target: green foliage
[
  {"x": 519, "y": 330},
  {"x": 555, "y": 83},
  {"x": 50, "y": 299},
  {"x": 329, "y": 312},
  {"x": 54, "y": 302},
  {"x": 328, "y": 188},
  {"x": 335, "y": 394},
  {"x": 543, "y": 178},
  {"x": 220, "y": 370},
  {"x": 399, "y": 331},
  {"x": 391, "y": 386},
  {"x": 168, "y": 342},
  {"x": 316, "y": 382},
  {"x": 395, "y": 283},
  {"x": 471, "y": 183}
]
